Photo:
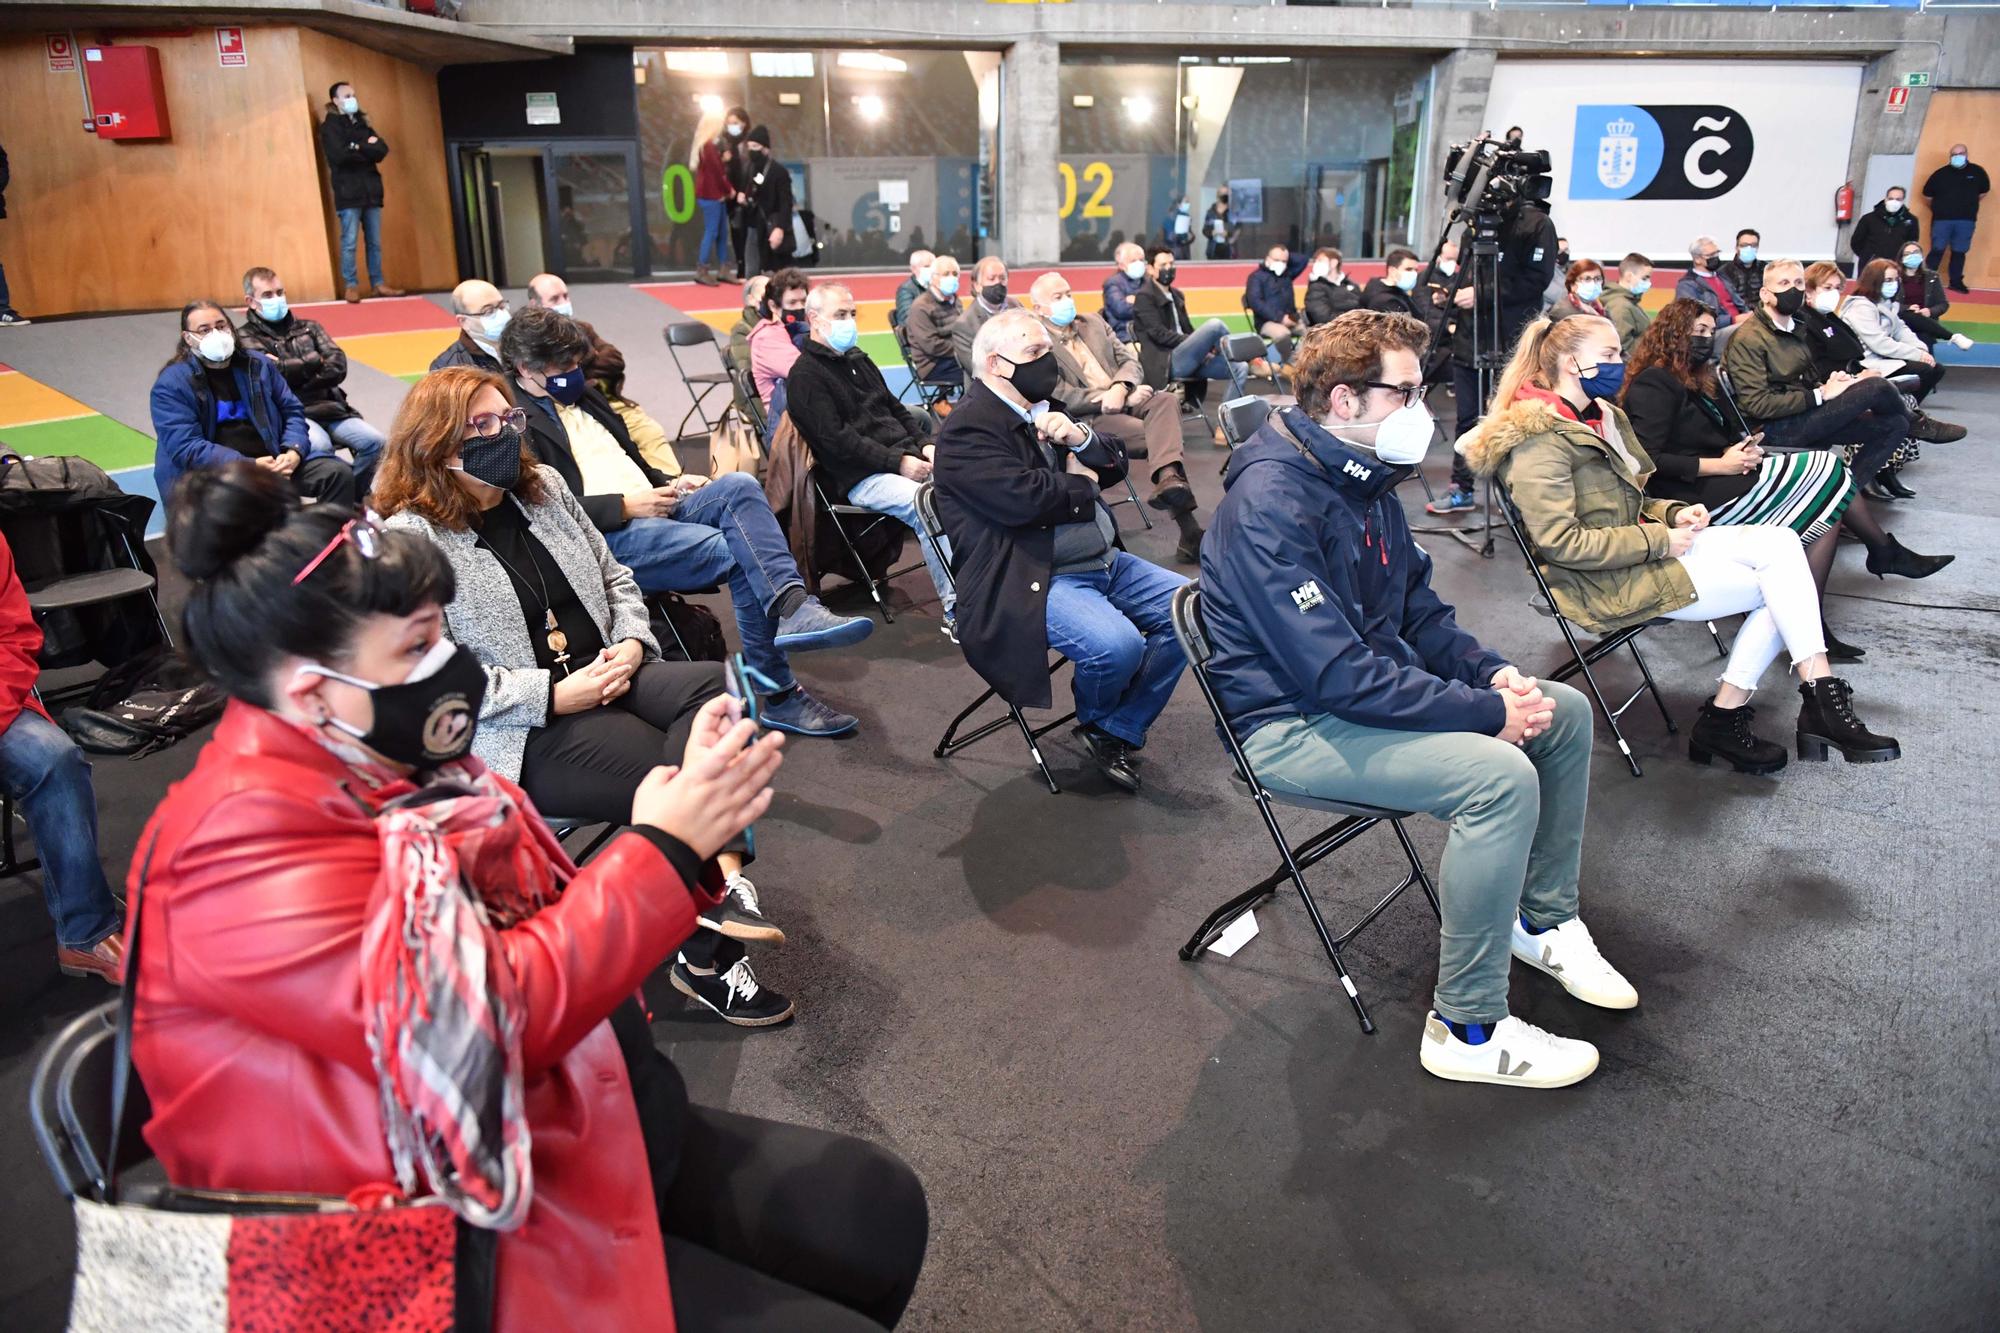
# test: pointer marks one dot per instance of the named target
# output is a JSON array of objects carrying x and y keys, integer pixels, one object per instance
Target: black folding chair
[
  {"x": 690, "y": 335},
  {"x": 1262, "y": 351},
  {"x": 1354, "y": 820},
  {"x": 865, "y": 521},
  {"x": 8, "y": 864},
  {"x": 567, "y": 828},
  {"x": 952, "y": 742},
  {"x": 69, "y": 1106},
  {"x": 929, "y": 392},
  {"x": 1131, "y": 497}
]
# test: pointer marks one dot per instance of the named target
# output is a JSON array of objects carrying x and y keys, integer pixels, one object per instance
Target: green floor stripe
[{"x": 108, "y": 443}]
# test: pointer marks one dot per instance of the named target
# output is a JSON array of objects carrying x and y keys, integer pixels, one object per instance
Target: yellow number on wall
[
  {"x": 1068, "y": 204},
  {"x": 1098, "y": 174}
]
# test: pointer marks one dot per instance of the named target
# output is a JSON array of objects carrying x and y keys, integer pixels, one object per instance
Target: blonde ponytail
[{"x": 1524, "y": 366}]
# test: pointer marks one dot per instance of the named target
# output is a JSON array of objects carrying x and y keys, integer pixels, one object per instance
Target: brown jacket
[
  {"x": 1072, "y": 395},
  {"x": 1598, "y": 538},
  {"x": 927, "y": 328}
]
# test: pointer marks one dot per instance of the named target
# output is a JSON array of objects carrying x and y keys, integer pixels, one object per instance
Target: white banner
[{"x": 1648, "y": 154}]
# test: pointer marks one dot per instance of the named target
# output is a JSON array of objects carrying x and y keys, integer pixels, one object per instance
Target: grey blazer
[{"x": 486, "y": 615}]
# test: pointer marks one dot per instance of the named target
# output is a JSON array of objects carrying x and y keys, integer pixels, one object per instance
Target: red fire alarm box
[{"x": 127, "y": 95}]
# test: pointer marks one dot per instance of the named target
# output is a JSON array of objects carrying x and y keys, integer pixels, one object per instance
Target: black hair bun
[{"x": 221, "y": 514}]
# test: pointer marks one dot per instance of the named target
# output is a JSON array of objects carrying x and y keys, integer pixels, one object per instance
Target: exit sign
[{"x": 1921, "y": 79}]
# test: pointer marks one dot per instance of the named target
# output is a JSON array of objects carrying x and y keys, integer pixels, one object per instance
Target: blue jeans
[
  {"x": 1199, "y": 356},
  {"x": 1116, "y": 627},
  {"x": 352, "y": 433},
  {"x": 4, "y": 306},
  {"x": 714, "y": 230},
  {"x": 1953, "y": 234},
  {"x": 41, "y": 768},
  {"x": 368, "y": 220},
  {"x": 894, "y": 494},
  {"x": 725, "y": 530}
]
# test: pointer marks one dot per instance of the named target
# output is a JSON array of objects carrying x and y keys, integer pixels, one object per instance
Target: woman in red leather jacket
[{"x": 281, "y": 940}]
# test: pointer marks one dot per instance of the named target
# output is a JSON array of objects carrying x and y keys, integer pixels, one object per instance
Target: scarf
[{"x": 462, "y": 860}]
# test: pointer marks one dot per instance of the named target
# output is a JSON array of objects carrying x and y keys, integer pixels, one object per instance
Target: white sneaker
[
  {"x": 1517, "y": 1055},
  {"x": 1961, "y": 342},
  {"x": 1568, "y": 954}
]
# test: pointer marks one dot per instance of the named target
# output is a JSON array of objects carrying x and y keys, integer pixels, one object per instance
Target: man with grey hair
[
  {"x": 1703, "y": 282},
  {"x": 868, "y": 449},
  {"x": 1036, "y": 552},
  {"x": 1100, "y": 382},
  {"x": 989, "y": 298},
  {"x": 482, "y": 315},
  {"x": 913, "y": 286},
  {"x": 314, "y": 366},
  {"x": 1121, "y": 287}
]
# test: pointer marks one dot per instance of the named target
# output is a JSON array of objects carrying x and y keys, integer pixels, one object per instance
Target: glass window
[
  {"x": 1310, "y": 151},
  {"x": 889, "y": 151}
]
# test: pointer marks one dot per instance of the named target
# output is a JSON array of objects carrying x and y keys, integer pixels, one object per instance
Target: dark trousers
[
  {"x": 326, "y": 478},
  {"x": 768, "y": 1225},
  {"x": 4, "y": 305},
  {"x": 589, "y": 765},
  {"x": 1870, "y": 414},
  {"x": 1927, "y": 377},
  {"x": 1928, "y": 327},
  {"x": 1465, "y": 393},
  {"x": 1955, "y": 235}
]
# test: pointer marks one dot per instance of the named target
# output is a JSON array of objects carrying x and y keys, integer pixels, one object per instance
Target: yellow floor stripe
[
  {"x": 27, "y": 402},
  {"x": 397, "y": 353}
]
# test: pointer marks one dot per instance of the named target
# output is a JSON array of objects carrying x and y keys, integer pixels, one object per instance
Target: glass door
[
  {"x": 600, "y": 213},
  {"x": 571, "y": 208}
]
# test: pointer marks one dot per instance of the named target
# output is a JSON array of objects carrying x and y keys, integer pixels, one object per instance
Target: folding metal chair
[
  {"x": 69, "y": 1106},
  {"x": 867, "y": 520},
  {"x": 8, "y": 864},
  {"x": 1262, "y": 348},
  {"x": 952, "y": 742},
  {"x": 929, "y": 392},
  {"x": 1354, "y": 820},
  {"x": 692, "y": 334},
  {"x": 566, "y": 828}
]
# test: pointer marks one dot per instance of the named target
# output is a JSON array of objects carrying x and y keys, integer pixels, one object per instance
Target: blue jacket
[
  {"x": 1271, "y": 297},
  {"x": 1317, "y": 599},
  {"x": 1118, "y": 293},
  {"x": 184, "y": 416}
]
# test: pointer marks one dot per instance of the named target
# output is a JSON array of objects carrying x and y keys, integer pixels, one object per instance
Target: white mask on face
[
  {"x": 216, "y": 346},
  {"x": 1826, "y": 300},
  {"x": 1448, "y": 267},
  {"x": 1402, "y": 438},
  {"x": 1136, "y": 269},
  {"x": 1893, "y": 205},
  {"x": 564, "y": 308},
  {"x": 1321, "y": 268},
  {"x": 1276, "y": 266}
]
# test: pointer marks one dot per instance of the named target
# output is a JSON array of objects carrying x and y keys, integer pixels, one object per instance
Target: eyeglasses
[
  {"x": 361, "y": 530},
  {"x": 1410, "y": 393},
  {"x": 488, "y": 425}
]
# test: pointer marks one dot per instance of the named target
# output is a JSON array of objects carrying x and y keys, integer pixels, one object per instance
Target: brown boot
[
  {"x": 105, "y": 959},
  {"x": 352, "y": 295},
  {"x": 1171, "y": 491},
  {"x": 705, "y": 275},
  {"x": 383, "y": 289}
]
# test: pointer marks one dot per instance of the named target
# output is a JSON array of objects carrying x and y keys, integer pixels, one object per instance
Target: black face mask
[
  {"x": 993, "y": 293},
  {"x": 566, "y": 388},
  {"x": 497, "y": 461},
  {"x": 1702, "y": 347},
  {"x": 427, "y": 720},
  {"x": 1166, "y": 277},
  {"x": 1036, "y": 380},
  {"x": 1791, "y": 302}
]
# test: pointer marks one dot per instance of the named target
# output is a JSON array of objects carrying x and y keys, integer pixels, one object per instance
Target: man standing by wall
[
  {"x": 1954, "y": 190},
  {"x": 352, "y": 149},
  {"x": 8, "y": 316}
]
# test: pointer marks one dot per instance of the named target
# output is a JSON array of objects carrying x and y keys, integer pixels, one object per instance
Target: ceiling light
[
  {"x": 698, "y": 62},
  {"x": 1138, "y": 110},
  {"x": 781, "y": 64},
  {"x": 873, "y": 60},
  {"x": 870, "y": 107},
  {"x": 709, "y": 103}
]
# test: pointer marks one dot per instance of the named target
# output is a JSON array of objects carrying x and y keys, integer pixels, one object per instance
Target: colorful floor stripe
[{"x": 398, "y": 336}]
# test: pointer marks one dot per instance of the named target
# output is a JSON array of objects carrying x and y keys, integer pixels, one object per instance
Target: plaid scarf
[{"x": 461, "y": 861}]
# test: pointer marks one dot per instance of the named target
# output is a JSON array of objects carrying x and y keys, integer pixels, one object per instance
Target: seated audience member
[
  {"x": 1704, "y": 454},
  {"x": 1703, "y": 282},
  {"x": 775, "y": 342},
  {"x": 1273, "y": 303},
  {"x": 1885, "y": 229},
  {"x": 868, "y": 449},
  {"x": 929, "y": 325},
  {"x": 1583, "y": 284},
  {"x": 273, "y": 956},
  {"x": 910, "y": 288},
  {"x": 1036, "y": 553},
  {"x": 1743, "y": 271},
  {"x": 1121, "y": 287},
  {"x": 1346, "y": 677},
  {"x": 46, "y": 776},
  {"x": 214, "y": 403},
  {"x": 989, "y": 298},
  {"x": 1573, "y": 466},
  {"x": 1171, "y": 349},
  {"x": 313, "y": 365},
  {"x": 681, "y": 535},
  {"x": 1395, "y": 292},
  {"x": 482, "y": 314},
  {"x": 1779, "y": 390},
  {"x": 1923, "y": 301},
  {"x": 1621, "y": 300},
  {"x": 1330, "y": 293},
  {"x": 754, "y": 289},
  {"x": 578, "y": 707},
  {"x": 605, "y": 368},
  {"x": 1888, "y": 346},
  {"x": 1836, "y": 349},
  {"x": 1100, "y": 383}
]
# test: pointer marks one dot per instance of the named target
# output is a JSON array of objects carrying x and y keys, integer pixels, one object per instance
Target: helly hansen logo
[
  {"x": 1356, "y": 471},
  {"x": 1307, "y": 595}
]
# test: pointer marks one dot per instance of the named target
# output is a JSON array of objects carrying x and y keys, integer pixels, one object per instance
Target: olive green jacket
[
  {"x": 1629, "y": 317},
  {"x": 1582, "y": 512},
  {"x": 1771, "y": 371}
]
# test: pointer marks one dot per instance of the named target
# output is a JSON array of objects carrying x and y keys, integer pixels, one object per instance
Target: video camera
[{"x": 1487, "y": 176}]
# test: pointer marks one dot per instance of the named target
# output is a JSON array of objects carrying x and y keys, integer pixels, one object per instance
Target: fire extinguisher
[{"x": 1843, "y": 203}]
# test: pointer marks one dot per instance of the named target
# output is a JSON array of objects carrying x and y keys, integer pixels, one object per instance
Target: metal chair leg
[
  {"x": 1417, "y": 868},
  {"x": 1034, "y": 750},
  {"x": 1137, "y": 503},
  {"x": 1646, "y": 671},
  {"x": 1720, "y": 650},
  {"x": 1604, "y": 708}
]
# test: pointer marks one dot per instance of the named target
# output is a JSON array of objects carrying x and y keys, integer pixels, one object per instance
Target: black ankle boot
[
  {"x": 1724, "y": 733},
  {"x": 1836, "y": 651},
  {"x": 1892, "y": 557},
  {"x": 1826, "y": 718},
  {"x": 1875, "y": 490},
  {"x": 1890, "y": 480}
]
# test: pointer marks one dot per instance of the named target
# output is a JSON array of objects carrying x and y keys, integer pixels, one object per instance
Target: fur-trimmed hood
[{"x": 1500, "y": 433}]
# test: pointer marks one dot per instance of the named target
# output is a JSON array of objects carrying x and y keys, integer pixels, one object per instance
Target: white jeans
[{"x": 1762, "y": 570}]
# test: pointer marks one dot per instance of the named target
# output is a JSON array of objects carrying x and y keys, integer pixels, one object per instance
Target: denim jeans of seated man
[
  {"x": 1870, "y": 413},
  {"x": 44, "y": 772},
  {"x": 1116, "y": 628},
  {"x": 353, "y": 434},
  {"x": 1199, "y": 356},
  {"x": 368, "y": 222},
  {"x": 894, "y": 494},
  {"x": 724, "y": 531}
]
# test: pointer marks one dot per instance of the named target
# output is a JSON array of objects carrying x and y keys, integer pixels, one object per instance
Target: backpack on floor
[{"x": 144, "y": 705}]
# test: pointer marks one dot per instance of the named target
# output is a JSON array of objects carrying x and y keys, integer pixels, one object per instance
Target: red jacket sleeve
[{"x": 20, "y": 641}]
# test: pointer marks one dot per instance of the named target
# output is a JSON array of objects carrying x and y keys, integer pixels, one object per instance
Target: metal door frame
[{"x": 550, "y": 150}]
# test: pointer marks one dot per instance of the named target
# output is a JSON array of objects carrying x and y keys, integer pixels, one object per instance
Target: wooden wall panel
[
  {"x": 401, "y": 102},
  {"x": 100, "y": 225},
  {"x": 1970, "y": 117}
]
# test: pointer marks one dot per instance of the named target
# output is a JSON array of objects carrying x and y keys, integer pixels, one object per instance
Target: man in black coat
[
  {"x": 1171, "y": 346},
  {"x": 9, "y": 317},
  {"x": 1036, "y": 553},
  {"x": 1884, "y": 229},
  {"x": 1954, "y": 191},
  {"x": 353, "y": 149}
]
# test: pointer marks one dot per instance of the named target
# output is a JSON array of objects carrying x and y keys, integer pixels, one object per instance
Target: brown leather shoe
[
  {"x": 105, "y": 959},
  {"x": 381, "y": 290},
  {"x": 352, "y": 296}
]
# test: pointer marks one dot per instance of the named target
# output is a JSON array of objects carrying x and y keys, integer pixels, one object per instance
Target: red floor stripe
[{"x": 405, "y": 314}]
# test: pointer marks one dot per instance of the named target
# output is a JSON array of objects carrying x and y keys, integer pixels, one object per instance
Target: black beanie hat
[{"x": 759, "y": 134}]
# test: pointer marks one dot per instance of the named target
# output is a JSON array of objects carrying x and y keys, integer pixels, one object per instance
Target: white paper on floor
[{"x": 1241, "y": 931}]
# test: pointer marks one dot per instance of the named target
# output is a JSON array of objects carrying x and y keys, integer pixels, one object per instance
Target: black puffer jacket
[{"x": 352, "y": 149}]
